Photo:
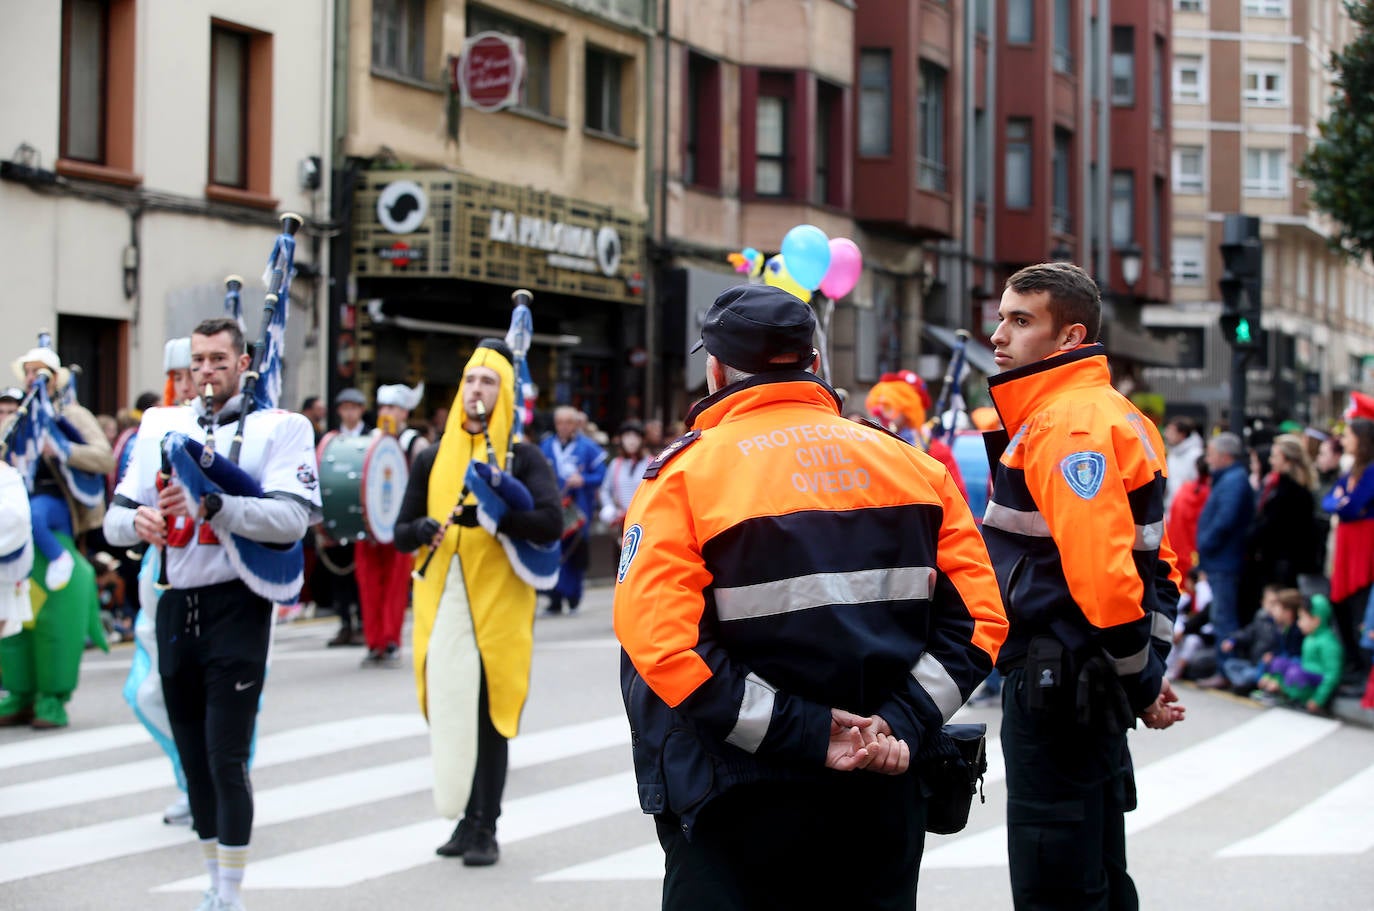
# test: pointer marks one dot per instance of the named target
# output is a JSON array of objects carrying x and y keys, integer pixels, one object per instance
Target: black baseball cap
[{"x": 758, "y": 328}]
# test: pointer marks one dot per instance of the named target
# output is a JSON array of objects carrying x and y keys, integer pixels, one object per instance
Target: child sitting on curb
[{"x": 1312, "y": 680}]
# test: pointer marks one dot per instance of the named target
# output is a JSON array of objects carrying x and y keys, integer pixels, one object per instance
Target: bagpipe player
[{"x": 227, "y": 557}]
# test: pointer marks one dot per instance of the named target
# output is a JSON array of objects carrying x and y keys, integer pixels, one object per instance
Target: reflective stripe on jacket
[
  {"x": 785, "y": 562},
  {"x": 1075, "y": 525}
]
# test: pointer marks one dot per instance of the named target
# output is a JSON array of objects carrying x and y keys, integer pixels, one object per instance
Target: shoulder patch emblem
[
  {"x": 305, "y": 473},
  {"x": 669, "y": 451},
  {"x": 1084, "y": 472},
  {"x": 628, "y": 548}
]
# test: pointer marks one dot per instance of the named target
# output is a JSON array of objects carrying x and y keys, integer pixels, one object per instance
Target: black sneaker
[
  {"x": 373, "y": 659},
  {"x": 483, "y": 852},
  {"x": 459, "y": 842}
]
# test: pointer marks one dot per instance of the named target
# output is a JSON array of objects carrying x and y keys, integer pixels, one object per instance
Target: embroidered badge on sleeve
[
  {"x": 1084, "y": 472},
  {"x": 628, "y": 549}
]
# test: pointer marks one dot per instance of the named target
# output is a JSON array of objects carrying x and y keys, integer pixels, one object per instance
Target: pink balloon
[{"x": 846, "y": 262}]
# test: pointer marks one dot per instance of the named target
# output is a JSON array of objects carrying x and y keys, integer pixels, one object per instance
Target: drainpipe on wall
[{"x": 658, "y": 211}]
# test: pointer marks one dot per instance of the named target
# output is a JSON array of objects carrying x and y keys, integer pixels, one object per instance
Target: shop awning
[
  {"x": 380, "y": 318},
  {"x": 976, "y": 353}
]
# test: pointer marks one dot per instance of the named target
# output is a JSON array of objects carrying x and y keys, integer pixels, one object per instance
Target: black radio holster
[
  {"x": 1047, "y": 675},
  {"x": 1101, "y": 702}
]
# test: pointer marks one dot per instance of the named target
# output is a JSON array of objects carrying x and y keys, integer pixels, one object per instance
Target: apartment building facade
[
  {"x": 754, "y": 108},
  {"x": 1083, "y": 154},
  {"x": 450, "y": 202},
  {"x": 1250, "y": 83},
  {"x": 147, "y": 149}
]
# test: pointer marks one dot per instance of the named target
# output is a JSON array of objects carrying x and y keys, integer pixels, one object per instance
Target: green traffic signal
[{"x": 1243, "y": 332}]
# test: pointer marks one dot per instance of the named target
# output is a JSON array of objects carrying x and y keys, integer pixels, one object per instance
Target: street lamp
[{"x": 1130, "y": 265}]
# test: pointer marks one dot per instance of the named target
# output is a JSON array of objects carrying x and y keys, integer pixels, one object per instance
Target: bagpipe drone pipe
[{"x": 271, "y": 571}]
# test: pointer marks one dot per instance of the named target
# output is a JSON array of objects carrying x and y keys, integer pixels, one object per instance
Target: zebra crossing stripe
[
  {"x": 149, "y": 774},
  {"x": 1336, "y": 823},
  {"x": 77, "y": 847},
  {"x": 1170, "y": 785},
  {"x": 67, "y": 745},
  {"x": 644, "y": 863},
  {"x": 355, "y": 860}
]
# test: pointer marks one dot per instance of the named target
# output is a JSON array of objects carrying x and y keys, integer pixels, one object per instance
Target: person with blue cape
[
  {"x": 581, "y": 467},
  {"x": 62, "y": 456}
]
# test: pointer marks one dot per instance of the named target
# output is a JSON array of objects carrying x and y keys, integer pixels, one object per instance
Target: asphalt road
[{"x": 1241, "y": 807}]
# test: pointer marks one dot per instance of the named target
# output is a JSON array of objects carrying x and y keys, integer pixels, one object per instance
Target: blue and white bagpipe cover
[
  {"x": 43, "y": 425},
  {"x": 274, "y": 572},
  {"x": 497, "y": 493}
]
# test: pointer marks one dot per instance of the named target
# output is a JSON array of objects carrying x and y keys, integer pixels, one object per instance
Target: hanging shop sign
[
  {"x": 489, "y": 72},
  {"x": 458, "y": 226}
]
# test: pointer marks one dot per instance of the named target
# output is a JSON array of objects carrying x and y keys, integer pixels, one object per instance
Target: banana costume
[{"x": 472, "y": 612}]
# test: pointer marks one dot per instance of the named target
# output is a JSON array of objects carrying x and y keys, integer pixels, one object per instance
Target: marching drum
[{"x": 362, "y": 481}]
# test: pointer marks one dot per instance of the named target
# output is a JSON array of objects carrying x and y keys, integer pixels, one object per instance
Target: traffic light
[{"x": 1242, "y": 301}]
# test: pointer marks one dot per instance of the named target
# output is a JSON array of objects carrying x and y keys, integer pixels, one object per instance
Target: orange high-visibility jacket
[
  {"x": 1075, "y": 525},
  {"x": 779, "y": 561}
]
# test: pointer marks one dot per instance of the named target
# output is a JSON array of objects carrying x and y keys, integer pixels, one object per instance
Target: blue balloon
[{"x": 807, "y": 252}]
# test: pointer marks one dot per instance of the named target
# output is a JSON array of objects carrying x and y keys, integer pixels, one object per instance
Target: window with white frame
[
  {"x": 1263, "y": 83},
  {"x": 398, "y": 37},
  {"x": 875, "y": 101},
  {"x": 1018, "y": 163},
  {"x": 770, "y": 131},
  {"x": 1265, "y": 172},
  {"x": 1123, "y": 209},
  {"x": 1188, "y": 6},
  {"x": 1020, "y": 21},
  {"x": 1063, "y": 36},
  {"x": 1266, "y": 7},
  {"x": 1188, "y": 164},
  {"x": 1190, "y": 79},
  {"x": 1123, "y": 65},
  {"x": 931, "y": 166},
  {"x": 1189, "y": 260}
]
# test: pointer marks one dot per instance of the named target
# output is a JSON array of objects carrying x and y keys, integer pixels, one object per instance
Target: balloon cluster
[{"x": 810, "y": 261}]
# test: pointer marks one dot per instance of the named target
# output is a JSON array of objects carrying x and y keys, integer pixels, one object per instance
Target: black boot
[
  {"x": 460, "y": 841},
  {"x": 483, "y": 852}
]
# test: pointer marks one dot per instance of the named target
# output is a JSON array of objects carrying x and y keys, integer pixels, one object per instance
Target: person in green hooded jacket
[{"x": 1311, "y": 680}]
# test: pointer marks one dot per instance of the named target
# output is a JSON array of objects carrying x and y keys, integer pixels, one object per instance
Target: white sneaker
[
  {"x": 229, "y": 906},
  {"x": 59, "y": 572},
  {"x": 178, "y": 813},
  {"x": 209, "y": 900}
]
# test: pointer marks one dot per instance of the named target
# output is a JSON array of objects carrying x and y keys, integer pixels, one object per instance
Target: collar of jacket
[
  {"x": 1022, "y": 392},
  {"x": 230, "y": 411},
  {"x": 759, "y": 390}
]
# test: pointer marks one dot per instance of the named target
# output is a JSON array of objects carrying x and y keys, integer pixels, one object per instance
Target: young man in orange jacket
[{"x": 1075, "y": 528}]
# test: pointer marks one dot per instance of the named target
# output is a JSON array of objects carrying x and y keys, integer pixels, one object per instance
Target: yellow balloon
[{"x": 775, "y": 273}]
